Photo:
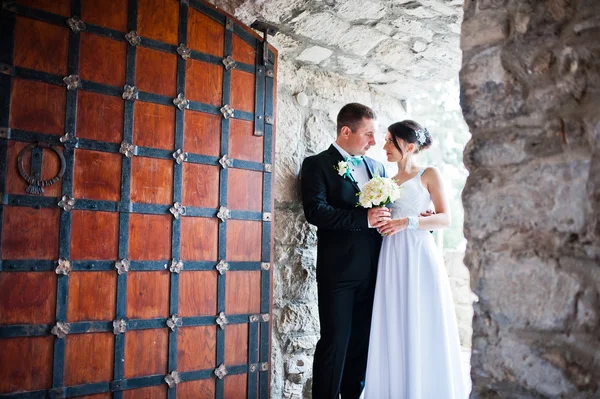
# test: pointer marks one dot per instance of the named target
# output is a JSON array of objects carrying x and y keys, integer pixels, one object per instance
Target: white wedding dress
[{"x": 414, "y": 349}]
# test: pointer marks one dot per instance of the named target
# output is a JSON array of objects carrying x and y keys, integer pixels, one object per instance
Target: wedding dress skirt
[{"x": 414, "y": 348}]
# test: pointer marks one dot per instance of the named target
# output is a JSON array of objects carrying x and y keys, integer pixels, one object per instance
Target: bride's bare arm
[{"x": 432, "y": 180}]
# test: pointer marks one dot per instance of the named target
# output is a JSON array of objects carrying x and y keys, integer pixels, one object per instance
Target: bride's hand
[{"x": 393, "y": 226}]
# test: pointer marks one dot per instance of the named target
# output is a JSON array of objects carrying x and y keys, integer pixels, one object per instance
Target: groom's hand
[
  {"x": 378, "y": 216},
  {"x": 428, "y": 212}
]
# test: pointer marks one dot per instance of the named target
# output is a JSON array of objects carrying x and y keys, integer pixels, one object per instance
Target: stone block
[
  {"x": 301, "y": 343},
  {"x": 359, "y": 10},
  {"x": 517, "y": 192},
  {"x": 528, "y": 292},
  {"x": 319, "y": 133},
  {"x": 490, "y": 95},
  {"x": 295, "y": 318},
  {"x": 394, "y": 53},
  {"x": 486, "y": 30},
  {"x": 314, "y": 54}
]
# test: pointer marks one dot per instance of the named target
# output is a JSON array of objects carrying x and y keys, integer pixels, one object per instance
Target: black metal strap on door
[
  {"x": 64, "y": 250},
  {"x": 7, "y": 40}
]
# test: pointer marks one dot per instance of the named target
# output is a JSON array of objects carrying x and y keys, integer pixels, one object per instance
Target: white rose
[
  {"x": 378, "y": 191},
  {"x": 342, "y": 168}
]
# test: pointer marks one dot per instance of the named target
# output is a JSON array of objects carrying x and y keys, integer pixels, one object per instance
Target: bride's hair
[{"x": 409, "y": 131}]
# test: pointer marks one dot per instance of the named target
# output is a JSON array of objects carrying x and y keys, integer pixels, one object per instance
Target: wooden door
[{"x": 143, "y": 268}]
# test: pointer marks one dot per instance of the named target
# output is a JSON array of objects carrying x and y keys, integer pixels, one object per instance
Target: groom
[{"x": 347, "y": 252}]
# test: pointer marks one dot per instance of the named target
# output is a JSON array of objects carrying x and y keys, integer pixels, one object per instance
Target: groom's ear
[{"x": 345, "y": 131}]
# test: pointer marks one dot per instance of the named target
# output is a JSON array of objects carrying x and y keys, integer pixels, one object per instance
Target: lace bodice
[{"x": 414, "y": 198}]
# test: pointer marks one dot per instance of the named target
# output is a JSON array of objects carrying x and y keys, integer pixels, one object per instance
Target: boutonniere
[{"x": 344, "y": 170}]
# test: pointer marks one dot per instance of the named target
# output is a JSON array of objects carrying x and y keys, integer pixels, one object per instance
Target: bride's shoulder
[
  {"x": 430, "y": 170},
  {"x": 431, "y": 174}
]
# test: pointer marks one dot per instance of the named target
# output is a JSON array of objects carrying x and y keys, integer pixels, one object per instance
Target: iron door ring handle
[{"x": 40, "y": 182}]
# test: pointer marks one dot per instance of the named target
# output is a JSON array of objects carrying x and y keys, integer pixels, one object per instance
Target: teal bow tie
[{"x": 354, "y": 161}]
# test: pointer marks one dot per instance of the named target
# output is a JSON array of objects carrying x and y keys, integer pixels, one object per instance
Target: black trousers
[{"x": 341, "y": 355}]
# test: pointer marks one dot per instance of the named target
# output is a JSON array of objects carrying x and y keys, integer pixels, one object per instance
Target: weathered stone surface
[
  {"x": 530, "y": 215},
  {"x": 319, "y": 133},
  {"x": 360, "y": 10},
  {"x": 548, "y": 294},
  {"x": 517, "y": 192},
  {"x": 355, "y": 28},
  {"x": 485, "y": 30},
  {"x": 299, "y": 318},
  {"x": 295, "y": 344},
  {"x": 314, "y": 54}
]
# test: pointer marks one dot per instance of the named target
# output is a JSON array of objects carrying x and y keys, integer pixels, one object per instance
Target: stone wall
[
  {"x": 530, "y": 87},
  {"x": 304, "y": 131}
]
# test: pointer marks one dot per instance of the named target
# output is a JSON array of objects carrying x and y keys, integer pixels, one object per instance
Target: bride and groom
[{"x": 385, "y": 306}]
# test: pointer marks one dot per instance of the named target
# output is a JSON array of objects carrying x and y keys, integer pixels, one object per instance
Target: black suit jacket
[{"x": 347, "y": 248}]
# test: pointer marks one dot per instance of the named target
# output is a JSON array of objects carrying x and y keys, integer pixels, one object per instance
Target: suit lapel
[
  {"x": 337, "y": 157},
  {"x": 369, "y": 164}
]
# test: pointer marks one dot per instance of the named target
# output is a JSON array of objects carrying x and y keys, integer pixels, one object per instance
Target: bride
[{"x": 414, "y": 350}]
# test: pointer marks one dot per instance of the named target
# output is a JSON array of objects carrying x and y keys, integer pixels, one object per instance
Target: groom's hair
[{"x": 352, "y": 114}]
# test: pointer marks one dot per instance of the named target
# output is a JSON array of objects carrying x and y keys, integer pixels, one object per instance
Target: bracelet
[{"x": 413, "y": 222}]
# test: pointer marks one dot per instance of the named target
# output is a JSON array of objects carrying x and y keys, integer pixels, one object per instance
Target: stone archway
[{"x": 529, "y": 93}]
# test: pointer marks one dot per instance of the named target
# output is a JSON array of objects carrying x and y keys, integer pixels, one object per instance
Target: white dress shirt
[{"x": 360, "y": 173}]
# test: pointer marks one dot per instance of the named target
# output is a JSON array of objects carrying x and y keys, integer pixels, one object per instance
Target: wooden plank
[
  {"x": 27, "y": 298},
  {"x": 148, "y": 294},
  {"x": 243, "y": 144},
  {"x": 152, "y": 180},
  {"x": 61, "y": 7},
  {"x": 202, "y": 133},
  {"x": 244, "y": 240},
  {"x": 242, "y": 90},
  {"x": 102, "y": 60},
  {"x": 200, "y": 185},
  {"x": 196, "y": 349},
  {"x": 100, "y": 117},
  {"x": 41, "y": 46},
  {"x": 89, "y": 358},
  {"x": 111, "y": 14},
  {"x": 199, "y": 238},
  {"x": 87, "y": 290},
  {"x": 242, "y": 294},
  {"x": 198, "y": 293},
  {"x": 247, "y": 192},
  {"x": 146, "y": 352},
  {"x": 242, "y": 51},
  {"x": 97, "y": 175},
  {"x": 156, "y": 72},
  {"x": 159, "y": 20},
  {"x": 154, "y": 125},
  {"x": 200, "y": 389},
  {"x": 26, "y": 363},
  {"x": 33, "y": 233},
  {"x": 155, "y": 246},
  {"x": 236, "y": 386},
  {"x": 204, "y": 82},
  {"x": 44, "y": 101},
  {"x": 236, "y": 343},
  {"x": 205, "y": 34},
  {"x": 15, "y": 184},
  {"x": 95, "y": 235},
  {"x": 155, "y": 392}
]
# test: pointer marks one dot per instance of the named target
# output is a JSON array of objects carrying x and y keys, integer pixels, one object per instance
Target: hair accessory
[{"x": 421, "y": 135}]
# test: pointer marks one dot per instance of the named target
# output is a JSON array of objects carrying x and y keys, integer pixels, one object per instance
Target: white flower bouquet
[{"x": 379, "y": 191}]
